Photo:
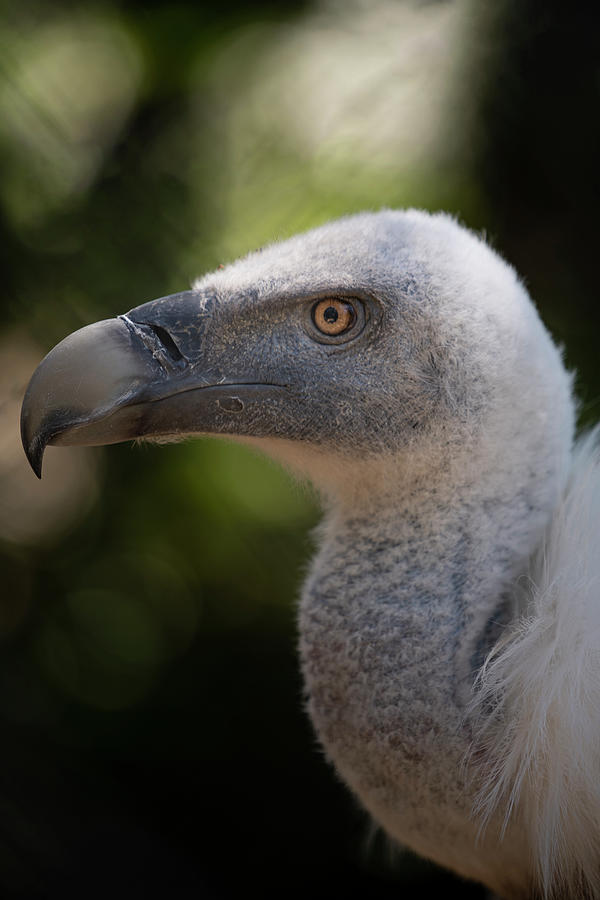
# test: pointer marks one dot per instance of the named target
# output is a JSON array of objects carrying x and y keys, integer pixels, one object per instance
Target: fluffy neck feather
[{"x": 393, "y": 615}]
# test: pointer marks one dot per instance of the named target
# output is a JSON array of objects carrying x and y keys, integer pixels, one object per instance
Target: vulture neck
[
  {"x": 409, "y": 589},
  {"x": 426, "y": 546}
]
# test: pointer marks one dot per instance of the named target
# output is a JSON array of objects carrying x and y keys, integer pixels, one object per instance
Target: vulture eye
[{"x": 334, "y": 317}]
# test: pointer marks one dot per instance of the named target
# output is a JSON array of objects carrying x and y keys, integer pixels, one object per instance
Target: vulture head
[
  {"x": 397, "y": 362},
  {"x": 379, "y": 335}
]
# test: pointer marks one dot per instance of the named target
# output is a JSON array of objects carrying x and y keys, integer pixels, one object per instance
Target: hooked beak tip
[
  {"x": 34, "y": 451},
  {"x": 34, "y": 443}
]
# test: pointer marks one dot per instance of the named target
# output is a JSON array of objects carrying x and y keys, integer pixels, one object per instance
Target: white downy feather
[{"x": 537, "y": 701}]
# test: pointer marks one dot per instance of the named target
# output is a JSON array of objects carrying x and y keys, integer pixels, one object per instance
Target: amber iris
[{"x": 333, "y": 316}]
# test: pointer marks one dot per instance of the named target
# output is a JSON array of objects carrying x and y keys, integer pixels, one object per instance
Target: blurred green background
[{"x": 153, "y": 739}]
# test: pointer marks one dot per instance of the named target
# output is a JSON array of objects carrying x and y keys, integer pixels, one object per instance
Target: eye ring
[{"x": 336, "y": 318}]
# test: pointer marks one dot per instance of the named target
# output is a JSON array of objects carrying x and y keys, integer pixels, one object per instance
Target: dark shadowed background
[{"x": 152, "y": 734}]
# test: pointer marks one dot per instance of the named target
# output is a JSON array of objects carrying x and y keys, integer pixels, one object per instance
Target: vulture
[{"x": 449, "y": 623}]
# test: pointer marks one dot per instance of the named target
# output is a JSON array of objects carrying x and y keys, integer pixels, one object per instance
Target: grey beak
[
  {"x": 92, "y": 372},
  {"x": 124, "y": 378}
]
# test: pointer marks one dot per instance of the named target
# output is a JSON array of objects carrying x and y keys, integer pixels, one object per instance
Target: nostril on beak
[
  {"x": 168, "y": 344},
  {"x": 158, "y": 340}
]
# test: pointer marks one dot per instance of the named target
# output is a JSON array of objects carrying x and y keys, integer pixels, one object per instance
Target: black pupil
[{"x": 330, "y": 315}]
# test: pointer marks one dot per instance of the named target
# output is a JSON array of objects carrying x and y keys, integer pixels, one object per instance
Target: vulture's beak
[{"x": 139, "y": 375}]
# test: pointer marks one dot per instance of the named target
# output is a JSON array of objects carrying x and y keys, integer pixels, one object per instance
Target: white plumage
[{"x": 538, "y": 696}]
